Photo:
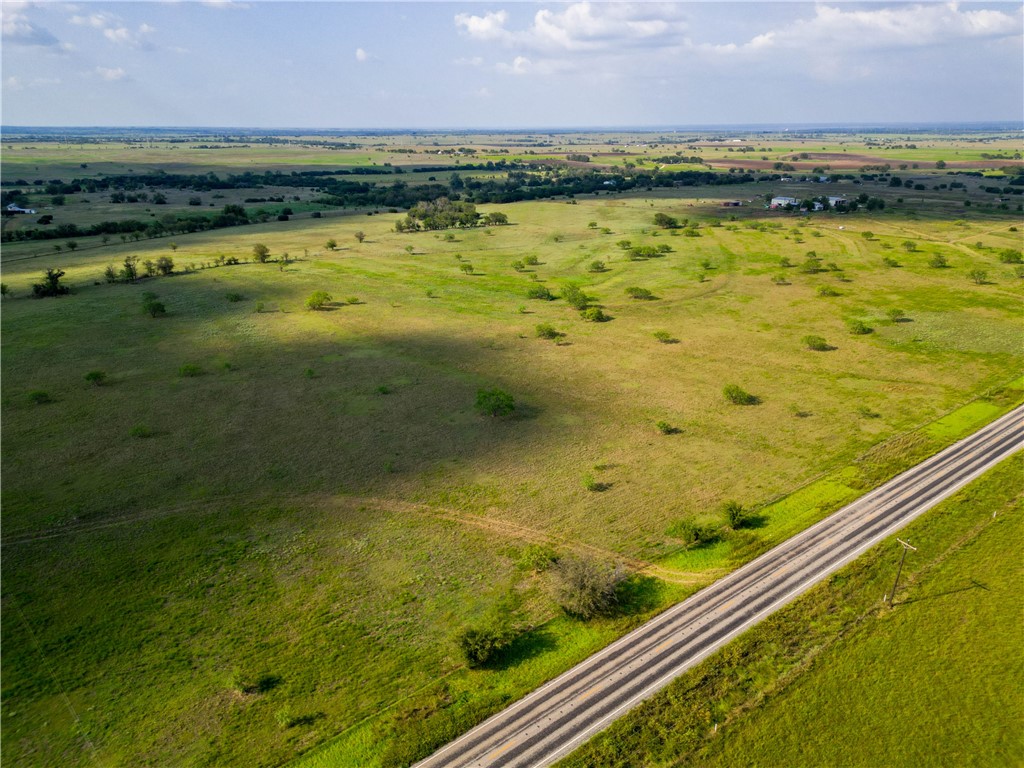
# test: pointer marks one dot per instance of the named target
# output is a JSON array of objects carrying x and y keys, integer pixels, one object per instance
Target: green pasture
[{"x": 321, "y": 508}]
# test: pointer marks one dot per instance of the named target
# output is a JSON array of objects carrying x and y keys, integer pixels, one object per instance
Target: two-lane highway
[{"x": 557, "y": 717}]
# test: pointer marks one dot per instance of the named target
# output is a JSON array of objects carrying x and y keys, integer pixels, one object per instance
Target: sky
[{"x": 509, "y": 65}]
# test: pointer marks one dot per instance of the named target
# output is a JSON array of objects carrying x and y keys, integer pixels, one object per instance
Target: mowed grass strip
[{"x": 839, "y": 678}]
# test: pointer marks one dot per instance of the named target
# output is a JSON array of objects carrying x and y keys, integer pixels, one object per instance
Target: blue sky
[{"x": 509, "y": 65}]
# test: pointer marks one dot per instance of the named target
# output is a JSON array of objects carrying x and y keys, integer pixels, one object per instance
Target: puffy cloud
[
  {"x": 583, "y": 26},
  {"x": 361, "y": 55},
  {"x": 490, "y": 26},
  {"x": 901, "y": 26},
  {"x": 520, "y": 66},
  {"x": 115, "y": 30},
  {"x": 111, "y": 74},
  {"x": 18, "y": 30}
]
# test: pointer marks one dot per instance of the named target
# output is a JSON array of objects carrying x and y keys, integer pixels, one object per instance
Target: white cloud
[
  {"x": 490, "y": 26},
  {"x": 361, "y": 55},
  {"x": 111, "y": 74},
  {"x": 833, "y": 29},
  {"x": 520, "y": 66},
  {"x": 484, "y": 93},
  {"x": 115, "y": 30},
  {"x": 583, "y": 27},
  {"x": 18, "y": 30}
]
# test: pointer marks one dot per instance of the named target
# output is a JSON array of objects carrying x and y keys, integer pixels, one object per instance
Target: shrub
[
  {"x": 735, "y": 516},
  {"x": 190, "y": 370},
  {"x": 531, "y": 260},
  {"x": 494, "y": 402},
  {"x": 518, "y": 266},
  {"x": 359, "y": 235},
  {"x": 665, "y": 221},
  {"x": 331, "y": 244},
  {"x": 467, "y": 268},
  {"x": 575, "y": 297},
  {"x": 547, "y": 331},
  {"x": 96, "y": 378},
  {"x": 38, "y": 397},
  {"x": 140, "y": 431},
  {"x": 690, "y": 533},
  {"x": 1010, "y": 256},
  {"x": 665, "y": 337},
  {"x": 827, "y": 290},
  {"x": 642, "y": 294},
  {"x": 539, "y": 292},
  {"x": 154, "y": 308},
  {"x": 318, "y": 300},
  {"x": 596, "y": 266},
  {"x": 938, "y": 261},
  {"x": 665, "y": 428},
  {"x": 817, "y": 343},
  {"x": 889, "y": 261},
  {"x": 261, "y": 253},
  {"x": 859, "y": 327},
  {"x": 234, "y": 297},
  {"x": 978, "y": 276},
  {"x": 586, "y": 589},
  {"x": 480, "y": 645},
  {"x": 785, "y": 262},
  {"x": 536, "y": 557},
  {"x": 895, "y": 315},
  {"x": 595, "y": 315},
  {"x": 165, "y": 265},
  {"x": 51, "y": 285},
  {"x": 738, "y": 396}
]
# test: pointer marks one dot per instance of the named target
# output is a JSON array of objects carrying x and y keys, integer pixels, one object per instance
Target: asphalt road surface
[{"x": 556, "y": 718}]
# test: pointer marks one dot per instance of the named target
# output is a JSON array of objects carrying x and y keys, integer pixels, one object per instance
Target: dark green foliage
[
  {"x": 575, "y": 297},
  {"x": 859, "y": 327},
  {"x": 691, "y": 533},
  {"x": 827, "y": 290},
  {"x": 96, "y": 378},
  {"x": 480, "y": 645},
  {"x": 665, "y": 221},
  {"x": 938, "y": 261},
  {"x": 665, "y": 337},
  {"x": 540, "y": 292},
  {"x": 1010, "y": 256},
  {"x": 234, "y": 297},
  {"x": 154, "y": 308},
  {"x": 140, "y": 431},
  {"x": 817, "y": 343},
  {"x": 51, "y": 285},
  {"x": 190, "y": 370},
  {"x": 467, "y": 268},
  {"x": 896, "y": 315},
  {"x": 495, "y": 403},
  {"x": 586, "y": 588},
  {"x": 595, "y": 315},
  {"x": 536, "y": 557},
  {"x": 735, "y": 516},
  {"x": 165, "y": 265},
  {"x": 547, "y": 331},
  {"x": 531, "y": 260},
  {"x": 889, "y": 261},
  {"x": 738, "y": 396},
  {"x": 642, "y": 294},
  {"x": 39, "y": 397},
  {"x": 666, "y": 429},
  {"x": 596, "y": 266},
  {"x": 978, "y": 276}
]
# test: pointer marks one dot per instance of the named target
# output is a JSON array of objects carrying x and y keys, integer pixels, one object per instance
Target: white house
[
  {"x": 835, "y": 200},
  {"x": 782, "y": 202},
  {"x": 15, "y": 208}
]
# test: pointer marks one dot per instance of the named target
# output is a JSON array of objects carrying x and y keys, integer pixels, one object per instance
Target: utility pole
[{"x": 891, "y": 596}]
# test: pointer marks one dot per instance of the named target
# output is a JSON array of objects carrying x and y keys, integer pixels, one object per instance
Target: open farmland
[{"x": 268, "y": 523}]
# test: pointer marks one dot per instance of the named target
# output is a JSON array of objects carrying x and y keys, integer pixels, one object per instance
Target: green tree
[
  {"x": 360, "y": 235},
  {"x": 665, "y": 221},
  {"x": 547, "y": 331},
  {"x": 735, "y": 516},
  {"x": 978, "y": 276},
  {"x": 495, "y": 403},
  {"x": 331, "y": 244},
  {"x": 96, "y": 378},
  {"x": 165, "y": 265},
  {"x": 261, "y": 253},
  {"x": 51, "y": 285},
  {"x": 816, "y": 343},
  {"x": 938, "y": 261},
  {"x": 738, "y": 396},
  {"x": 318, "y": 300}
]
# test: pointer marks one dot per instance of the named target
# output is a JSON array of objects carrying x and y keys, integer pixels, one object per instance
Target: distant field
[{"x": 320, "y": 508}]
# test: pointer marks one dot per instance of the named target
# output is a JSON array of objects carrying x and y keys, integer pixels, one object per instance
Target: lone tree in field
[
  {"x": 735, "y": 515},
  {"x": 495, "y": 403},
  {"x": 979, "y": 276},
  {"x": 331, "y": 244},
  {"x": 360, "y": 235},
  {"x": 51, "y": 285},
  {"x": 665, "y": 221},
  {"x": 586, "y": 588},
  {"x": 165, "y": 265},
  {"x": 318, "y": 300},
  {"x": 261, "y": 253}
]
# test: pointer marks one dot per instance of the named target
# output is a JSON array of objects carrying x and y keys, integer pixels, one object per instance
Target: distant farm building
[
  {"x": 15, "y": 208},
  {"x": 731, "y": 203},
  {"x": 834, "y": 201},
  {"x": 783, "y": 201}
]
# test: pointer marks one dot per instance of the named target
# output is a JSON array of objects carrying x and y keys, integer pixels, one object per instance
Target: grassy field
[
  {"x": 838, "y": 679},
  {"x": 232, "y": 567}
]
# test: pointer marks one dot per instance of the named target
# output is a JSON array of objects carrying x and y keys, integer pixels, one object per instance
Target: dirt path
[{"x": 485, "y": 522}]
